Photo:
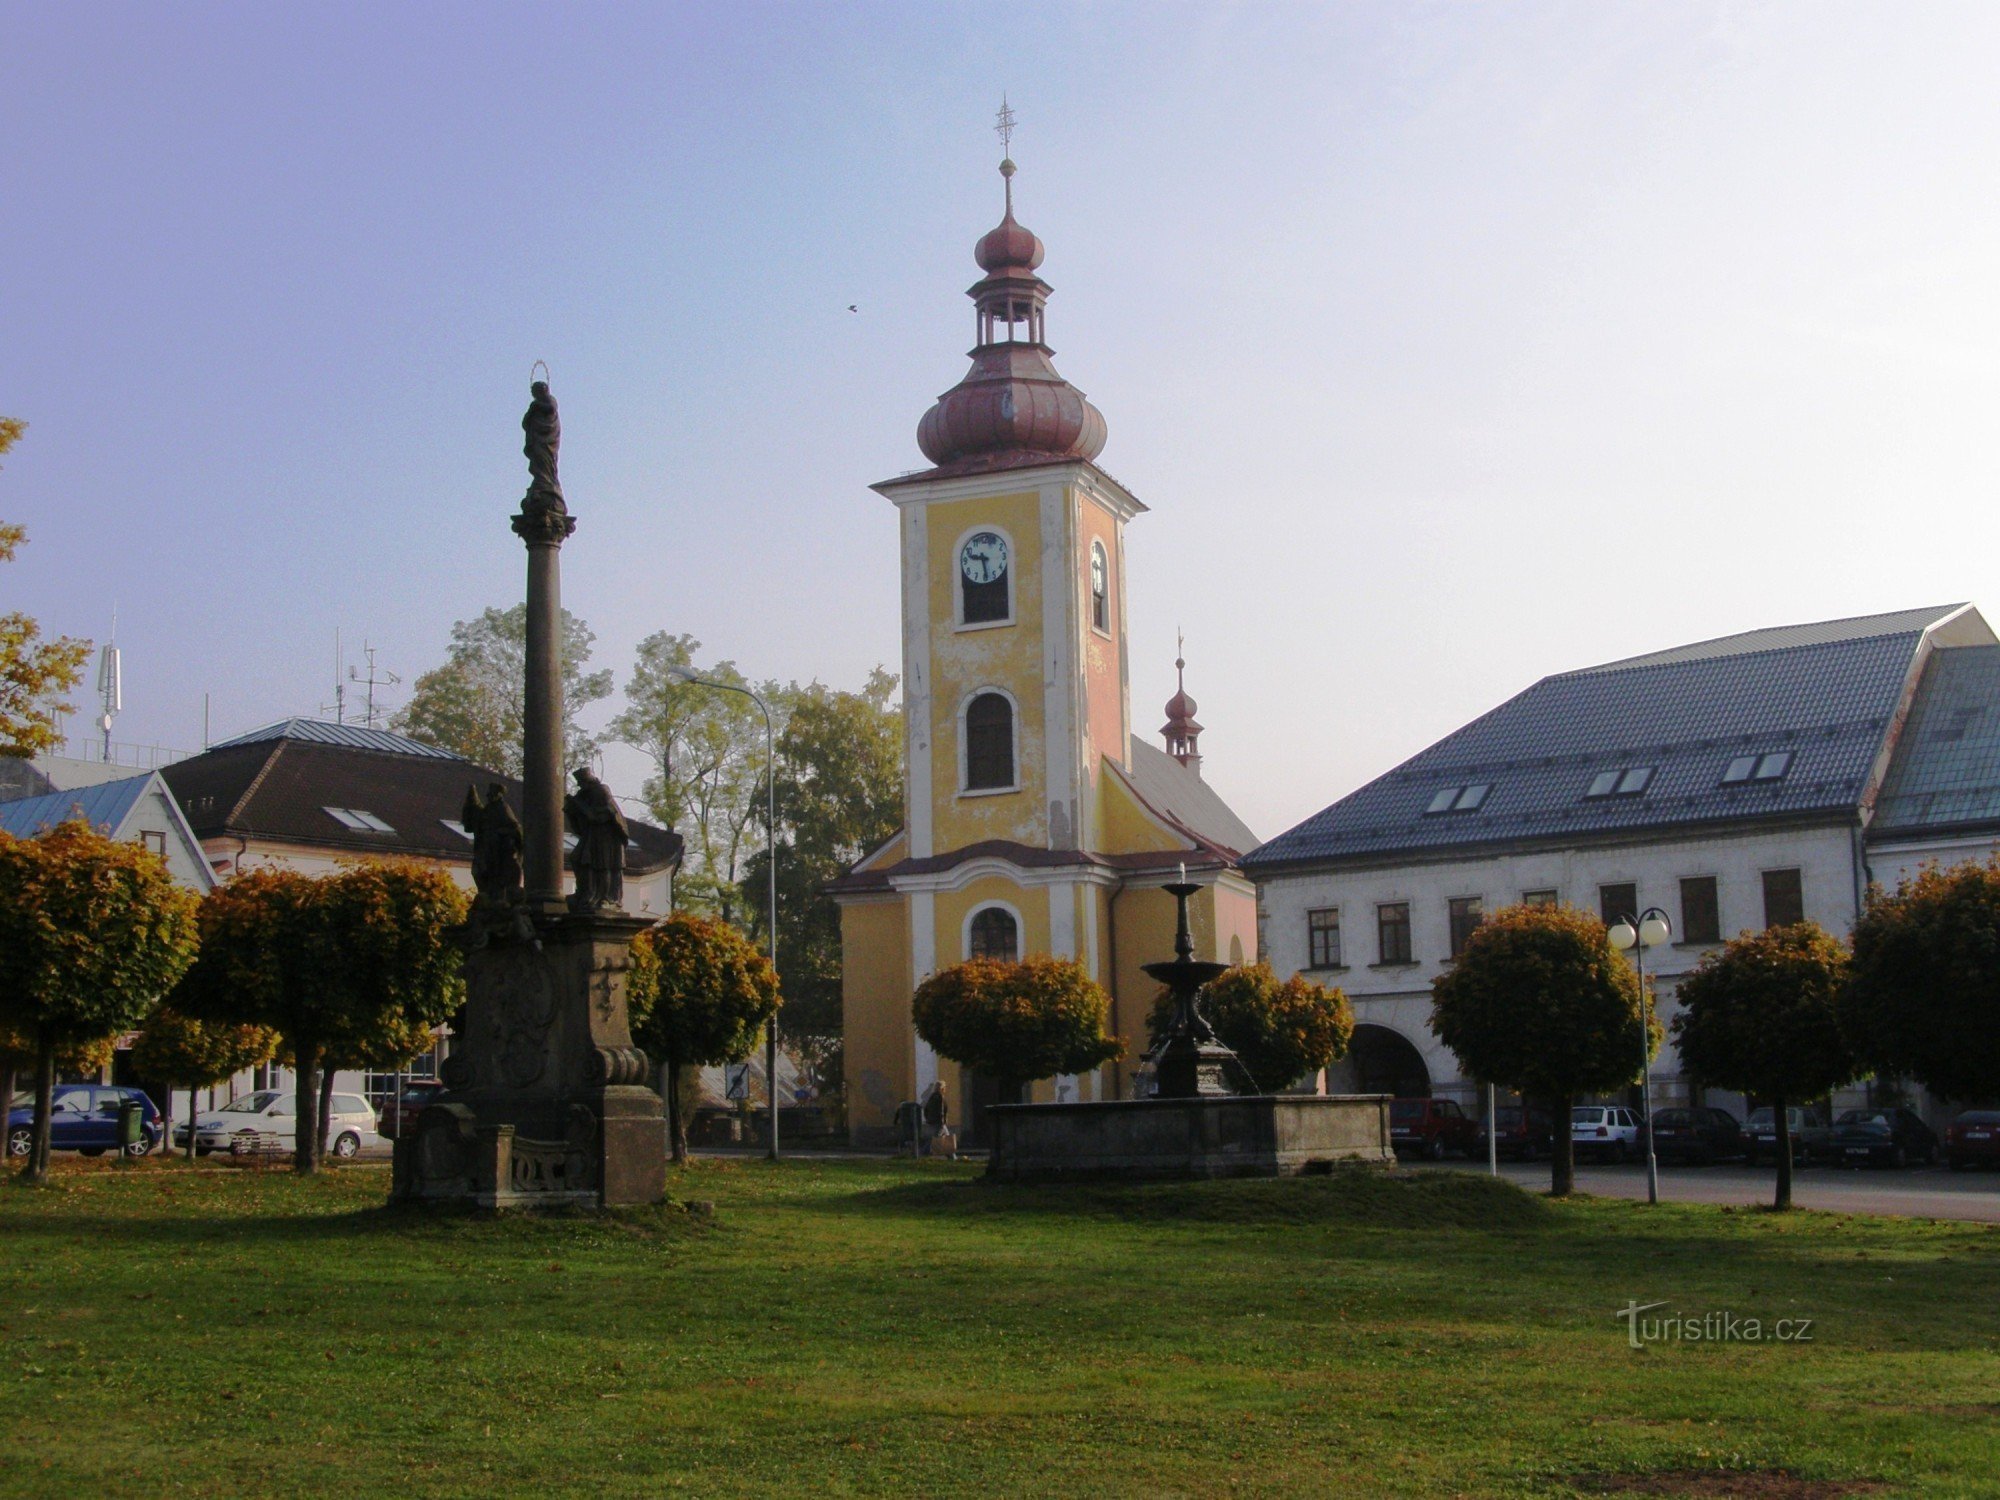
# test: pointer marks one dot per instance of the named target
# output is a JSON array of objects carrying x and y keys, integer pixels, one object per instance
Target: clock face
[{"x": 983, "y": 558}]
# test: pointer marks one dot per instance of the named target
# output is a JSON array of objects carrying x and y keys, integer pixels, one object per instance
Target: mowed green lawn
[{"x": 893, "y": 1328}]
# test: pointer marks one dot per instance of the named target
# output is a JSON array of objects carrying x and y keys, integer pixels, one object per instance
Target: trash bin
[{"x": 131, "y": 1128}]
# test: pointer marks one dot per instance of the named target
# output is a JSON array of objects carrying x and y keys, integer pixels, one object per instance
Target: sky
[{"x": 1449, "y": 345}]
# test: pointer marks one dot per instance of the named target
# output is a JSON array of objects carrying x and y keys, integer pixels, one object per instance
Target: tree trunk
[
  {"x": 676, "y": 1128},
  {"x": 8, "y": 1082},
  {"x": 305, "y": 1137},
  {"x": 1562, "y": 1150},
  {"x": 37, "y": 1169},
  {"x": 325, "y": 1113},
  {"x": 1784, "y": 1136},
  {"x": 192, "y": 1113}
]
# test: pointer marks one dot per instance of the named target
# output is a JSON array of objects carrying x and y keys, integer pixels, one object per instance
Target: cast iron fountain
[{"x": 1189, "y": 1061}]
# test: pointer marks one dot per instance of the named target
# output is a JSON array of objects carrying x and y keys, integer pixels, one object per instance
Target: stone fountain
[{"x": 1193, "y": 1126}]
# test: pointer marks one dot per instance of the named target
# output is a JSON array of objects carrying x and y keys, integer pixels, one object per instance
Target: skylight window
[
  {"x": 456, "y": 827},
  {"x": 1625, "y": 781},
  {"x": 358, "y": 819},
  {"x": 1459, "y": 798},
  {"x": 1771, "y": 767}
]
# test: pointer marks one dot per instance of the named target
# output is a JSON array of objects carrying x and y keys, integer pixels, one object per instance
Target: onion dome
[
  {"x": 1011, "y": 404},
  {"x": 1181, "y": 731}
]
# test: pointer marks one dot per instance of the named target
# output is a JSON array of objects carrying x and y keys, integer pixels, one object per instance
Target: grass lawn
[{"x": 894, "y": 1328}]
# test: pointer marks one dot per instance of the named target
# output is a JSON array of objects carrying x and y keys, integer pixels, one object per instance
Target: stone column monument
[{"x": 546, "y": 1103}]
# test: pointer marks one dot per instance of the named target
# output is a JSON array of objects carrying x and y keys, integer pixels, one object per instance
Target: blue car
[{"x": 83, "y": 1117}]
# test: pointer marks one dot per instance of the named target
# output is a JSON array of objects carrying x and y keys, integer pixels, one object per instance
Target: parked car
[
  {"x": 1973, "y": 1140},
  {"x": 268, "y": 1121},
  {"x": 415, "y": 1096},
  {"x": 1811, "y": 1135},
  {"x": 1891, "y": 1136},
  {"x": 1698, "y": 1134},
  {"x": 1430, "y": 1128},
  {"x": 83, "y": 1117},
  {"x": 1609, "y": 1132},
  {"x": 1520, "y": 1133}
]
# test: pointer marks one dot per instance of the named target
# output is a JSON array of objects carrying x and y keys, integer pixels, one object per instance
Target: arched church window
[
  {"x": 985, "y": 575},
  {"x": 1100, "y": 588},
  {"x": 989, "y": 742},
  {"x": 994, "y": 934}
]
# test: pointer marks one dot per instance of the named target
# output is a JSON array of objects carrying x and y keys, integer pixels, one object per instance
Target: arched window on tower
[
  {"x": 1100, "y": 588},
  {"x": 989, "y": 743},
  {"x": 994, "y": 933}
]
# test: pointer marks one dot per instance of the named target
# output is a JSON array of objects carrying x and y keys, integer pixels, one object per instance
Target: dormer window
[
  {"x": 1771, "y": 767},
  {"x": 1625, "y": 781},
  {"x": 1452, "y": 799},
  {"x": 357, "y": 819}
]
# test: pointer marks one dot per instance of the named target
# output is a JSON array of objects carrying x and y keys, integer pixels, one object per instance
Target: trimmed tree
[
  {"x": 699, "y": 995},
  {"x": 179, "y": 1050},
  {"x": 1760, "y": 1015},
  {"x": 1538, "y": 1001},
  {"x": 1923, "y": 996},
  {"x": 1016, "y": 1022},
  {"x": 92, "y": 933},
  {"x": 1280, "y": 1030},
  {"x": 349, "y": 968}
]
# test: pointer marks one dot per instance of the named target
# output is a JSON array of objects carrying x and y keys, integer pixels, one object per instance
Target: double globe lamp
[{"x": 1635, "y": 935}]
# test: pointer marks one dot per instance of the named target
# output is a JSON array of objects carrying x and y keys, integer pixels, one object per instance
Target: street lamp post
[
  {"x": 771, "y": 873},
  {"x": 1647, "y": 930}
]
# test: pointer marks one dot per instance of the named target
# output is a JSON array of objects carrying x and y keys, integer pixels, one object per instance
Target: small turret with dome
[
  {"x": 1181, "y": 732},
  {"x": 1011, "y": 406}
]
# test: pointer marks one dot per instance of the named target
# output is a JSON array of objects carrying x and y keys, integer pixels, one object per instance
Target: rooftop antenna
[
  {"x": 339, "y": 687},
  {"x": 110, "y": 686},
  {"x": 371, "y": 682}
]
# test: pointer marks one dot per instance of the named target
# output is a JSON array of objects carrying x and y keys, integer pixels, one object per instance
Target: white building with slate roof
[{"x": 1735, "y": 783}]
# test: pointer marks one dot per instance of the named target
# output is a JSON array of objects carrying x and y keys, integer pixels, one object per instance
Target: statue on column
[
  {"x": 601, "y": 836},
  {"x": 497, "y": 842},
  {"x": 542, "y": 428}
]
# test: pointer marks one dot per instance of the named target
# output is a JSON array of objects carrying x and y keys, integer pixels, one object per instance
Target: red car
[
  {"x": 394, "y": 1111},
  {"x": 1431, "y": 1127},
  {"x": 1973, "y": 1140}
]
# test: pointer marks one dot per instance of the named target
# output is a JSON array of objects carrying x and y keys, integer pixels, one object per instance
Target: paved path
[{"x": 1915, "y": 1192}]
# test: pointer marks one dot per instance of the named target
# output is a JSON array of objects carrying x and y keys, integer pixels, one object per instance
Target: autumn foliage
[
  {"x": 1016, "y": 1022},
  {"x": 699, "y": 994},
  {"x": 1280, "y": 1030},
  {"x": 1540, "y": 1002},
  {"x": 92, "y": 933}
]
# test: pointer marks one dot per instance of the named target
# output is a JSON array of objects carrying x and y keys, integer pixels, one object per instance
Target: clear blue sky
[{"x": 1450, "y": 345}]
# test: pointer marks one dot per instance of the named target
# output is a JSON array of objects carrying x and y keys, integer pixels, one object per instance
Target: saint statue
[
  {"x": 543, "y": 430},
  {"x": 497, "y": 842},
  {"x": 601, "y": 836}
]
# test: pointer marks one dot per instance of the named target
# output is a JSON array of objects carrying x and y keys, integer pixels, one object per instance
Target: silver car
[{"x": 268, "y": 1121}]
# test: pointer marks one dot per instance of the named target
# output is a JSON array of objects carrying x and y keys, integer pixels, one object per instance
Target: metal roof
[
  {"x": 1784, "y": 637},
  {"x": 1946, "y": 770},
  {"x": 104, "y": 806},
  {"x": 1179, "y": 793},
  {"x": 1828, "y": 698},
  {"x": 353, "y": 736}
]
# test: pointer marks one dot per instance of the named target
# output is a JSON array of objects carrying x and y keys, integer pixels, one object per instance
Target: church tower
[{"x": 1035, "y": 822}]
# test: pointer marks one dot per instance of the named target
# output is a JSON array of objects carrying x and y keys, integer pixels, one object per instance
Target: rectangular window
[
  {"x": 1540, "y": 898},
  {"x": 1392, "y": 932},
  {"x": 155, "y": 841},
  {"x": 1323, "y": 938},
  {"x": 1784, "y": 898},
  {"x": 1617, "y": 902},
  {"x": 1466, "y": 912},
  {"x": 1701, "y": 913}
]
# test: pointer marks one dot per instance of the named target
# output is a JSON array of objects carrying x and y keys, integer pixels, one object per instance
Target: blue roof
[
  {"x": 354, "y": 736},
  {"x": 104, "y": 806},
  {"x": 1827, "y": 696},
  {"x": 1946, "y": 770}
]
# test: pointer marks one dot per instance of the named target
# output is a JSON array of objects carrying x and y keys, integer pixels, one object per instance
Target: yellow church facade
[{"x": 1036, "y": 821}]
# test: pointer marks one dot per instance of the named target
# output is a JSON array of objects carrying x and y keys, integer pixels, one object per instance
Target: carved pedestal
[{"x": 547, "y": 1103}]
